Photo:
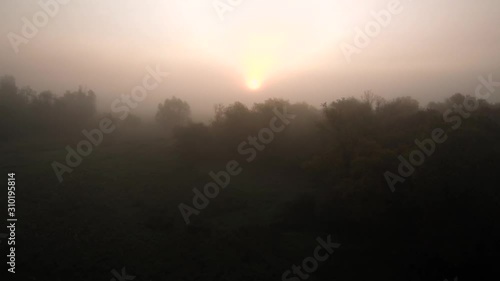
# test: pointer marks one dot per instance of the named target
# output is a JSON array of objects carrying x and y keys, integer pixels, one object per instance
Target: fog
[
  {"x": 233, "y": 140},
  {"x": 431, "y": 49}
]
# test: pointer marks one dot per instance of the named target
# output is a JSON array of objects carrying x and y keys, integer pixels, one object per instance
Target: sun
[{"x": 254, "y": 84}]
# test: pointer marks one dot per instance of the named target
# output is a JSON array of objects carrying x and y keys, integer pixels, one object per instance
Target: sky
[{"x": 255, "y": 49}]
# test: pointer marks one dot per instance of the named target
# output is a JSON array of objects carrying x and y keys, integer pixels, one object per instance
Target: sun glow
[
  {"x": 254, "y": 84},
  {"x": 260, "y": 58}
]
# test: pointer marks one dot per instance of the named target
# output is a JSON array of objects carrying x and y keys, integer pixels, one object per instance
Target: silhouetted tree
[{"x": 172, "y": 113}]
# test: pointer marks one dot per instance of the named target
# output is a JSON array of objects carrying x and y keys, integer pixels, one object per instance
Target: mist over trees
[
  {"x": 25, "y": 113},
  {"x": 173, "y": 113},
  {"x": 328, "y": 167}
]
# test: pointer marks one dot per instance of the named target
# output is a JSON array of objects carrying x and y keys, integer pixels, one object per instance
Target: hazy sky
[{"x": 287, "y": 48}]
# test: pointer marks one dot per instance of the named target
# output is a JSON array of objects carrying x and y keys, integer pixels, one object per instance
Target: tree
[
  {"x": 373, "y": 100},
  {"x": 173, "y": 113}
]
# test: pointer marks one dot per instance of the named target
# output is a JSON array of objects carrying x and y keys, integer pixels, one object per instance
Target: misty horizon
[
  {"x": 109, "y": 54},
  {"x": 245, "y": 140}
]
